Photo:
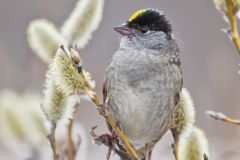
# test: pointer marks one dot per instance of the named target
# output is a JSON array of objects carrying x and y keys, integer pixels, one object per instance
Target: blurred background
[{"x": 210, "y": 64}]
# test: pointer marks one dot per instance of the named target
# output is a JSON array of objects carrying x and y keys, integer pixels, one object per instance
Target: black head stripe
[{"x": 153, "y": 19}]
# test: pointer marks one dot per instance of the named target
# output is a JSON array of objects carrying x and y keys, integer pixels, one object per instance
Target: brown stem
[
  {"x": 147, "y": 152},
  {"x": 51, "y": 138},
  {"x": 233, "y": 24},
  {"x": 177, "y": 149},
  {"x": 232, "y": 121},
  {"x": 71, "y": 151},
  {"x": 222, "y": 117},
  {"x": 176, "y": 134}
]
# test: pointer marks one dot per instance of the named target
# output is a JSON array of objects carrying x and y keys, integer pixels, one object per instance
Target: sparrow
[{"x": 144, "y": 79}]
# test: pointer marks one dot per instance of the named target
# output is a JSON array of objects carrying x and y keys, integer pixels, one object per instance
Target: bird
[{"x": 143, "y": 79}]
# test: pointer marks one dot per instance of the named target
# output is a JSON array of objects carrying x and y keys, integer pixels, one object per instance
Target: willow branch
[
  {"x": 222, "y": 117},
  {"x": 233, "y": 24}
]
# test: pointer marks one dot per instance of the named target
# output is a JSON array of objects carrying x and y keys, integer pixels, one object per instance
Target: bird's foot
[
  {"x": 108, "y": 140},
  {"x": 111, "y": 141},
  {"x": 147, "y": 152}
]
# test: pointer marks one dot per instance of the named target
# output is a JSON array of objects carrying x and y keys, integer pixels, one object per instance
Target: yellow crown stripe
[{"x": 136, "y": 14}]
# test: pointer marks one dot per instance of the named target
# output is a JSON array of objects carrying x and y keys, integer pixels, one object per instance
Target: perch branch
[
  {"x": 233, "y": 24},
  {"x": 222, "y": 117}
]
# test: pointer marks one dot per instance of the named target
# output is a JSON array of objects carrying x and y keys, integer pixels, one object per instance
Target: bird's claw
[{"x": 106, "y": 139}]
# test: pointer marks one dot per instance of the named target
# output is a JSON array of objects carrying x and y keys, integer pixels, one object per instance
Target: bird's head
[{"x": 146, "y": 28}]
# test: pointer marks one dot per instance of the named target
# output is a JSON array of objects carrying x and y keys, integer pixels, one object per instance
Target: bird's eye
[{"x": 144, "y": 30}]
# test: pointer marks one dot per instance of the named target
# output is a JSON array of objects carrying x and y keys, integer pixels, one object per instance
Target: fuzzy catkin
[
  {"x": 193, "y": 146},
  {"x": 54, "y": 100},
  {"x": 20, "y": 114},
  {"x": 184, "y": 116},
  {"x": 83, "y": 21},
  {"x": 44, "y": 38},
  {"x": 66, "y": 76}
]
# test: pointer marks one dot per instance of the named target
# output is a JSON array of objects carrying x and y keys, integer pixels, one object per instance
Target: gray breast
[{"x": 141, "y": 87}]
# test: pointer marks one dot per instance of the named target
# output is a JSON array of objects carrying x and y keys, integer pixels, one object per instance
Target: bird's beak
[{"x": 123, "y": 30}]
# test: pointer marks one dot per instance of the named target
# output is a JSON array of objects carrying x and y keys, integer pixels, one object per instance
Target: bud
[
  {"x": 66, "y": 75},
  {"x": 75, "y": 56}
]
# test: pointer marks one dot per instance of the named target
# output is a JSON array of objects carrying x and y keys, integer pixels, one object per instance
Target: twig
[
  {"x": 233, "y": 24},
  {"x": 222, "y": 117},
  {"x": 177, "y": 150},
  {"x": 51, "y": 138},
  {"x": 71, "y": 151}
]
